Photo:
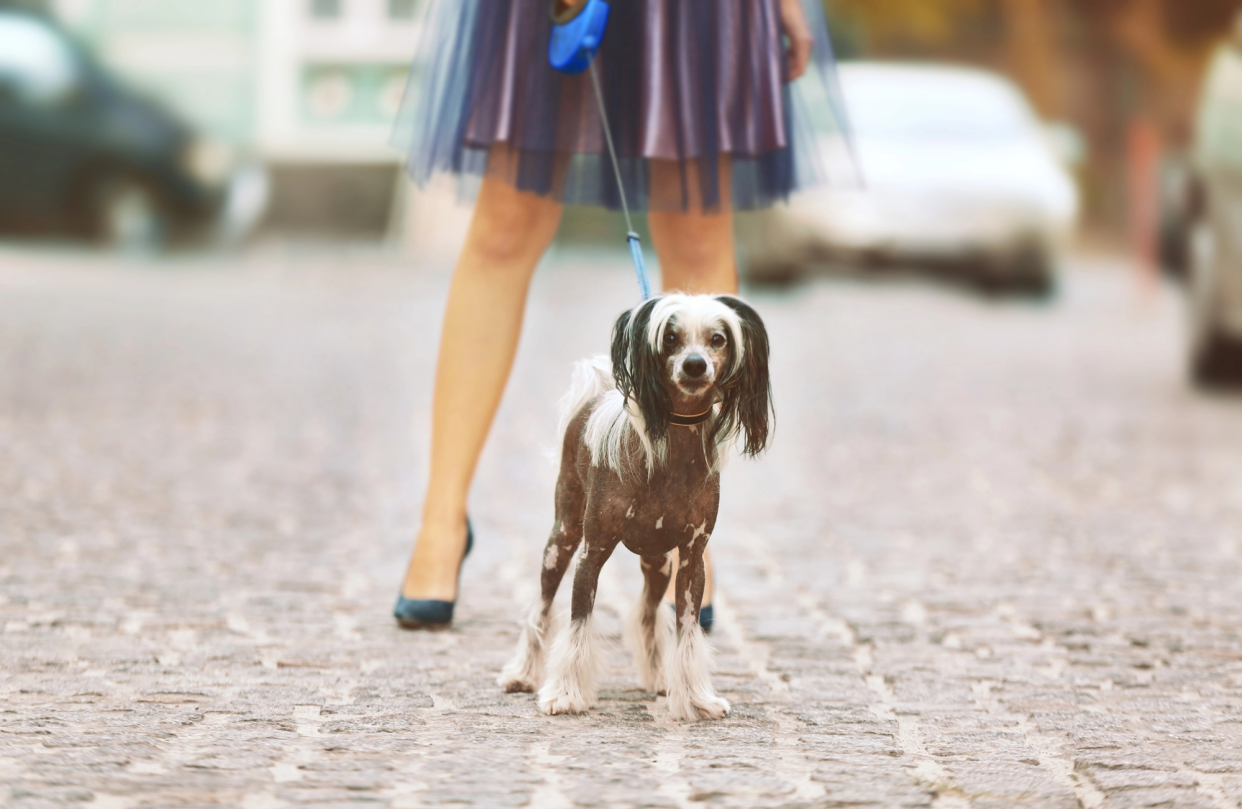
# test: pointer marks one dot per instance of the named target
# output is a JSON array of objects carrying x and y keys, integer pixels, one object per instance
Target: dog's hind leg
[
  {"x": 574, "y": 666},
  {"x": 650, "y": 628},
  {"x": 690, "y": 693},
  {"x": 525, "y": 671}
]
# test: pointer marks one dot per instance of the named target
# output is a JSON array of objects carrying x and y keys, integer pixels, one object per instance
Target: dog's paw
[
  {"x": 557, "y": 704},
  {"x": 715, "y": 708},
  {"x": 521, "y": 675},
  {"x": 652, "y": 681},
  {"x": 513, "y": 684},
  {"x": 683, "y": 709}
]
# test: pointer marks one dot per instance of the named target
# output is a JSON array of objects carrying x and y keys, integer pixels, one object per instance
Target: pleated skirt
[{"x": 696, "y": 94}]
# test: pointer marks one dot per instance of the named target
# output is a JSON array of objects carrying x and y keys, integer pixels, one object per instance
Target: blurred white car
[
  {"x": 1215, "y": 277},
  {"x": 955, "y": 167}
]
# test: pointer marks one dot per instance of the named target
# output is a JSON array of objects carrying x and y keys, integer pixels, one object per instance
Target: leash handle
[{"x": 636, "y": 244}]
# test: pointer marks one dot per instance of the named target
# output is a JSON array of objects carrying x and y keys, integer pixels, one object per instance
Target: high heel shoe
[
  {"x": 707, "y": 616},
  {"x": 430, "y": 613}
]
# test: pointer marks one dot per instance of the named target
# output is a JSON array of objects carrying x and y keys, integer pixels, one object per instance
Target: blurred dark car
[
  {"x": 1215, "y": 243},
  {"x": 81, "y": 153}
]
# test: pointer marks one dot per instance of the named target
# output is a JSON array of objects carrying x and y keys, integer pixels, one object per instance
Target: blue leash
[
  {"x": 636, "y": 244},
  {"x": 571, "y": 50}
]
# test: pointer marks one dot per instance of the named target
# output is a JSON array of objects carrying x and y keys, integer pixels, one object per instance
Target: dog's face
[
  {"x": 696, "y": 341},
  {"x": 693, "y": 351}
]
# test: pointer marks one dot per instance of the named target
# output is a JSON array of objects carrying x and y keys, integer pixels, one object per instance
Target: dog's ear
[
  {"x": 637, "y": 370},
  {"x": 621, "y": 353},
  {"x": 747, "y": 390}
]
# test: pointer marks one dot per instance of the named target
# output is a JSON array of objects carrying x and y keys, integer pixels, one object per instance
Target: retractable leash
[{"x": 576, "y": 37}]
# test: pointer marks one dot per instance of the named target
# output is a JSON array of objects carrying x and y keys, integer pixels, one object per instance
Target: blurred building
[{"x": 310, "y": 86}]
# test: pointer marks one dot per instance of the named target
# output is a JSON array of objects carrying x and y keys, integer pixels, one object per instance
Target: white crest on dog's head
[
  {"x": 696, "y": 314},
  {"x": 711, "y": 351}
]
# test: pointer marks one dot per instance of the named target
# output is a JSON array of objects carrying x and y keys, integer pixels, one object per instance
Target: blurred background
[{"x": 994, "y": 135}]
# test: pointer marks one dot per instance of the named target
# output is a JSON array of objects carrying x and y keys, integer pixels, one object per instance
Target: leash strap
[{"x": 636, "y": 244}]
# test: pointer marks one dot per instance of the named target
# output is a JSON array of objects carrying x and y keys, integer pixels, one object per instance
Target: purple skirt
[{"x": 695, "y": 92}]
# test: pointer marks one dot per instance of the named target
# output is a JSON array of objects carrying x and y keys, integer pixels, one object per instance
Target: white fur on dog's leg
[
  {"x": 573, "y": 671},
  {"x": 690, "y": 693},
  {"x": 648, "y": 644},
  {"x": 525, "y": 671}
]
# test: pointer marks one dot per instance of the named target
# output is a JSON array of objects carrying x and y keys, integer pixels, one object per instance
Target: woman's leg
[
  {"x": 695, "y": 251},
  {"x": 509, "y": 232},
  {"x": 696, "y": 256}
]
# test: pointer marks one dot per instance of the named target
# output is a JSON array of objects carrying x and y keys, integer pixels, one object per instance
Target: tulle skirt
[{"x": 695, "y": 93}]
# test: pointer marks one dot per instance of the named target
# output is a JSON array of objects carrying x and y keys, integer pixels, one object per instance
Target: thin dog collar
[{"x": 690, "y": 421}]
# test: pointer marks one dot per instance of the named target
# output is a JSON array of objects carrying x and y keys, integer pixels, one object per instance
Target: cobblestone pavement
[{"x": 992, "y": 560}]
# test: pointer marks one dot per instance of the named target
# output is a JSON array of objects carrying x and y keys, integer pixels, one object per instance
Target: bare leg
[
  {"x": 509, "y": 233},
  {"x": 649, "y": 628},
  {"x": 697, "y": 256},
  {"x": 690, "y": 693},
  {"x": 573, "y": 670},
  {"x": 696, "y": 251}
]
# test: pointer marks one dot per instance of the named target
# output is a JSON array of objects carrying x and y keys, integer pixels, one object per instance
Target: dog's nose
[{"x": 694, "y": 366}]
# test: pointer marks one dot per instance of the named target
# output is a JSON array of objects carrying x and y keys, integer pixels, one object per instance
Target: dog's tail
[{"x": 592, "y": 377}]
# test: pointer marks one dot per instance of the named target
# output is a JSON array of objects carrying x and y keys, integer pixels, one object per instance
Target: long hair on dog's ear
[
  {"x": 637, "y": 370},
  {"x": 747, "y": 404}
]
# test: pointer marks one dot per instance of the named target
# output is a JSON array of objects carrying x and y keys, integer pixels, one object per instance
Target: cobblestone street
[{"x": 993, "y": 558}]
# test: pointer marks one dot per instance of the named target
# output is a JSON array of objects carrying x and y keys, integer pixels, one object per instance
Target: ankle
[{"x": 443, "y": 522}]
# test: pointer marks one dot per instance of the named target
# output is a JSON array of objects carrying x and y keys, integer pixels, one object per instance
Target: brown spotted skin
[{"x": 675, "y": 508}]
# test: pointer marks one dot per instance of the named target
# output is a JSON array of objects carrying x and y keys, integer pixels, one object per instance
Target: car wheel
[
  {"x": 126, "y": 215},
  {"x": 766, "y": 253},
  {"x": 1215, "y": 357},
  {"x": 771, "y": 273},
  {"x": 1028, "y": 273},
  {"x": 1217, "y": 362}
]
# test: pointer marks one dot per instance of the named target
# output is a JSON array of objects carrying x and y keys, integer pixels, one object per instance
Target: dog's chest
[{"x": 678, "y": 505}]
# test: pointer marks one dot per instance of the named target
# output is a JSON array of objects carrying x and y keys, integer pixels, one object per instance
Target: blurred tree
[
  {"x": 885, "y": 23},
  {"x": 1102, "y": 64},
  {"x": 1032, "y": 52}
]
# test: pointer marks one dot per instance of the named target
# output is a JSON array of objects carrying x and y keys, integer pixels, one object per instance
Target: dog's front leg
[
  {"x": 525, "y": 671},
  {"x": 690, "y": 693},
  {"x": 574, "y": 666}
]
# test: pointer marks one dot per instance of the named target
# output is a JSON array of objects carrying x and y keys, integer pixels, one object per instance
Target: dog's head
[{"x": 684, "y": 353}]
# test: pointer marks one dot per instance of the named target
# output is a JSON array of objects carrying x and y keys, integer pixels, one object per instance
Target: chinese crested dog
[{"x": 640, "y": 465}]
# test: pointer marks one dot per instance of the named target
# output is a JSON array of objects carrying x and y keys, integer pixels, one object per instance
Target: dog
[{"x": 643, "y": 439}]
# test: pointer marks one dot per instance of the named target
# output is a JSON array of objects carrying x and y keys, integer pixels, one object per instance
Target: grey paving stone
[{"x": 991, "y": 559}]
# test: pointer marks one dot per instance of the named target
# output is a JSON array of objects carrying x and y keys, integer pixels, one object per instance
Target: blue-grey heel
[
  {"x": 706, "y": 616},
  {"x": 430, "y": 613}
]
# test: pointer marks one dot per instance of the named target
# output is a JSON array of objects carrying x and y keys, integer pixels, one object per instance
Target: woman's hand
[
  {"x": 799, "y": 34},
  {"x": 562, "y": 7}
]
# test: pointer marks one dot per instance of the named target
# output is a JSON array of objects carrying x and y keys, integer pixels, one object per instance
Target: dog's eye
[
  {"x": 718, "y": 340},
  {"x": 670, "y": 338}
]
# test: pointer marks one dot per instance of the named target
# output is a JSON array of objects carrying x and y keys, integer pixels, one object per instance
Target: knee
[
  {"x": 694, "y": 248},
  {"x": 510, "y": 226},
  {"x": 697, "y": 247}
]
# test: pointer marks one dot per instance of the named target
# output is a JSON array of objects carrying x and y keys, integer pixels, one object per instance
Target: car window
[
  {"x": 1219, "y": 133},
  {"x": 36, "y": 66},
  {"x": 907, "y": 103}
]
